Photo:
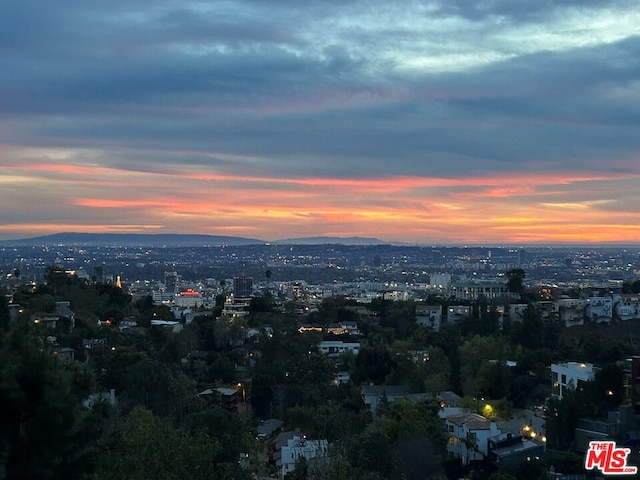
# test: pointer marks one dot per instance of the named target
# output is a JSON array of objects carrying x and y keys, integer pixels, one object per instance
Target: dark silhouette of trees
[
  {"x": 45, "y": 432},
  {"x": 515, "y": 279}
]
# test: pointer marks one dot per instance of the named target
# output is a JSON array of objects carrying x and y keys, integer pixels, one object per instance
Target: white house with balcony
[
  {"x": 600, "y": 309},
  {"x": 469, "y": 435},
  {"x": 571, "y": 311},
  {"x": 429, "y": 316},
  {"x": 568, "y": 375},
  {"x": 627, "y": 306},
  {"x": 296, "y": 449}
]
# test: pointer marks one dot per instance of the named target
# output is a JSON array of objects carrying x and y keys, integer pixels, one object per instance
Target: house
[
  {"x": 548, "y": 310},
  {"x": 475, "y": 290},
  {"x": 235, "y": 307},
  {"x": 372, "y": 395},
  {"x": 590, "y": 429},
  {"x": 108, "y": 397},
  {"x": 447, "y": 398},
  {"x": 458, "y": 312},
  {"x": 351, "y": 328},
  {"x": 336, "y": 348},
  {"x": 631, "y": 382},
  {"x": 510, "y": 450},
  {"x": 516, "y": 312},
  {"x": 173, "y": 326},
  {"x": 340, "y": 378},
  {"x": 92, "y": 343},
  {"x": 571, "y": 311},
  {"x": 429, "y": 316},
  {"x": 63, "y": 309},
  {"x": 49, "y": 320},
  {"x": 228, "y": 397},
  {"x": 569, "y": 375},
  {"x": 65, "y": 354},
  {"x": 599, "y": 309},
  {"x": 469, "y": 435},
  {"x": 268, "y": 428},
  {"x": 627, "y": 306},
  {"x": 297, "y": 448}
]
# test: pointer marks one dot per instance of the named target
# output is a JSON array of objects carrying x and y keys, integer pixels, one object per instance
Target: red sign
[{"x": 609, "y": 459}]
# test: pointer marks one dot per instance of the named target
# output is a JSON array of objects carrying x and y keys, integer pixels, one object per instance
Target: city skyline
[{"x": 445, "y": 122}]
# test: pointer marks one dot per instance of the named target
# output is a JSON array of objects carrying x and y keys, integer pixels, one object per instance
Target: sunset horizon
[{"x": 424, "y": 123}]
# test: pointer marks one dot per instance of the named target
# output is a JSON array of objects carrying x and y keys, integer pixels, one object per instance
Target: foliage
[
  {"x": 515, "y": 279},
  {"x": 406, "y": 443},
  {"x": 151, "y": 447},
  {"x": 45, "y": 432},
  {"x": 476, "y": 370}
]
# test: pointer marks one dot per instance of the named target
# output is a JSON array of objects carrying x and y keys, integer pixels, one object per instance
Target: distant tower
[
  {"x": 171, "y": 281},
  {"x": 98, "y": 274},
  {"x": 242, "y": 287},
  {"x": 521, "y": 257},
  {"x": 118, "y": 282}
]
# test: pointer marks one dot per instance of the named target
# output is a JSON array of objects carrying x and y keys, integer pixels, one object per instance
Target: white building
[
  {"x": 571, "y": 311},
  {"x": 481, "y": 289},
  {"x": 188, "y": 298},
  {"x": 627, "y": 306},
  {"x": 440, "y": 280},
  {"x": 429, "y": 316},
  {"x": 297, "y": 448},
  {"x": 569, "y": 375},
  {"x": 599, "y": 309},
  {"x": 235, "y": 307},
  {"x": 162, "y": 296},
  {"x": 335, "y": 348},
  {"x": 469, "y": 434}
]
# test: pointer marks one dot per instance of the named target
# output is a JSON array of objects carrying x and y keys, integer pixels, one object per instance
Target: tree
[
  {"x": 150, "y": 447},
  {"x": 629, "y": 286},
  {"x": 267, "y": 275},
  {"x": 493, "y": 379},
  {"x": 45, "y": 432},
  {"x": 474, "y": 353},
  {"x": 515, "y": 278},
  {"x": 5, "y": 315}
]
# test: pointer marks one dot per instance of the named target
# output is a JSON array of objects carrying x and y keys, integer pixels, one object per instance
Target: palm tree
[{"x": 268, "y": 274}]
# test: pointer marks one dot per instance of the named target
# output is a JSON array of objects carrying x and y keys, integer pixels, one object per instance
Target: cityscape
[{"x": 506, "y": 361}]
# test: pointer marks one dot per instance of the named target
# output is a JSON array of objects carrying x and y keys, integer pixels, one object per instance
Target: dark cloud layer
[{"x": 322, "y": 82}]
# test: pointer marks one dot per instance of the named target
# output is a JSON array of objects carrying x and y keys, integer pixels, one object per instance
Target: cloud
[{"x": 348, "y": 110}]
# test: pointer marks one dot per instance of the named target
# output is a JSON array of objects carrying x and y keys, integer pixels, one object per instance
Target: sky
[{"x": 428, "y": 122}]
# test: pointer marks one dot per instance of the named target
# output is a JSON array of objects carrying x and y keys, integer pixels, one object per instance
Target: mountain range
[{"x": 175, "y": 240}]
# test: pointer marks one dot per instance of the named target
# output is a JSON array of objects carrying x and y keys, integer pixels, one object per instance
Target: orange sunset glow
[
  {"x": 425, "y": 123},
  {"x": 500, "y": 208}
]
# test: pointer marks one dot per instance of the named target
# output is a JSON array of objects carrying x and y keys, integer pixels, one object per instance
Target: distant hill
[
  {"x": 331, "y": 240},
  {"x": 176, "y": 240},
  {"x": 133, "y": 239}
]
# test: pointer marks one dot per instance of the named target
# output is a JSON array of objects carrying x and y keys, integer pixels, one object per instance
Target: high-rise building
[
  {"x": 98, "y": 274},
  {"x": 171, "y": 282},
  {"x": 242, "y": 287}
]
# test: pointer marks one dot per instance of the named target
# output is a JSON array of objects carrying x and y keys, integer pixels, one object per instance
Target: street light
[{"x": 244, "y": 400}]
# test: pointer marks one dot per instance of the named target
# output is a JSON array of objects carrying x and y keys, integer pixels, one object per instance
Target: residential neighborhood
[{"x": 495, "y": 378}]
